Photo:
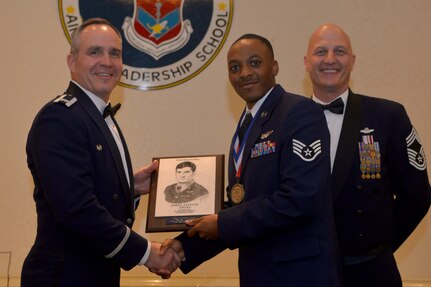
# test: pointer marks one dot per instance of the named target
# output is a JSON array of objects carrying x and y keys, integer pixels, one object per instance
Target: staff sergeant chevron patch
[{"x": 307, "y": 152}]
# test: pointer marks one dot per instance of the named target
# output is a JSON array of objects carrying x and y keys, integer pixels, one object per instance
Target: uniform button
[
  {"x": 129, "y": 221},
  {"x": 115, "y": 196},
  {"x": 359, "y": 187}
]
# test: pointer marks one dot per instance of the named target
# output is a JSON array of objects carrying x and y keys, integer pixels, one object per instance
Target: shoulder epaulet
[{"x": 66, "y": 99}]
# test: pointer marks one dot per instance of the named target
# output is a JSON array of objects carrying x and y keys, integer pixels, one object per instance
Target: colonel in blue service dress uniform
[{"x": 84, "y": 203}]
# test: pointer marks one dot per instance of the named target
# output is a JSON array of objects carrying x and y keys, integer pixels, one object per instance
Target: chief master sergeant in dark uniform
[{"x": 379, "y": 177}]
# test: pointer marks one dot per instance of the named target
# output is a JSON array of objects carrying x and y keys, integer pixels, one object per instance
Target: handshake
[{"x": 165, "y": 258}]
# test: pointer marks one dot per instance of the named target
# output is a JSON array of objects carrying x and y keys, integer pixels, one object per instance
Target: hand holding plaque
[
  {"x": 205, "y": 226},
  {"x": 184, "y": 188},
  {"x": 142, "y": 178}
]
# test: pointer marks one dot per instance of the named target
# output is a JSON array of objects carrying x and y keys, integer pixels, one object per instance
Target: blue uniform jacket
[
  {"x": 384, "y": 204},
  {"x": 284, "y": 228},
  {"x": 83, "y": 199}
]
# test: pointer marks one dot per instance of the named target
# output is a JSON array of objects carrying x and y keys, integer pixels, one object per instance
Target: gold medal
[{"x": 237, "y": 193}]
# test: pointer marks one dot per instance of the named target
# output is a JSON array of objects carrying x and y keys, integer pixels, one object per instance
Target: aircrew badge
[
  {"x": 266, "y": 134},
  {"x": 367, "y": 131},
  {"x": 370, "y": 158},
  {"x": 415, "y": 151},
  {"x": 307, "y": 152},
  {"x": 66, "y": 99},
  {"x": 263, "y": 148}
]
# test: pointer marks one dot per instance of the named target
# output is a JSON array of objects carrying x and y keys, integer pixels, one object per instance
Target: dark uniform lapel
[
  {"x": 95, "y": 115},
  {"x": 347, "y": 144},
  {"x": 262, "y": 117},
  {"x": 127, "y": 155}
]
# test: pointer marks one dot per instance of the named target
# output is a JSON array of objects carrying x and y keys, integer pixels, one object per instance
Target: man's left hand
[
  {"x": 205, "y": 226},
  {"x": 142, "y": 178}
]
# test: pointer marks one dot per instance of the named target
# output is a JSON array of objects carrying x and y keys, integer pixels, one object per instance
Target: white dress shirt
[
  {"x": 335, "y": 123},
  {"x": 256, "y": 106}
]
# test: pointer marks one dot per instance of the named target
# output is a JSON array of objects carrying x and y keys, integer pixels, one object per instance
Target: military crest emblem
[
  {"x": 157, "y": 27},
  {"x": 165, "y": 42}
]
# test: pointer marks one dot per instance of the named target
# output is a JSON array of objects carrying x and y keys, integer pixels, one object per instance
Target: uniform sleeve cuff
[{"x": 146, "y": 255}]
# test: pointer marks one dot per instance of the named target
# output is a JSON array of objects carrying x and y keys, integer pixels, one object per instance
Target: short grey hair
[{"x": 74, "y": 44}]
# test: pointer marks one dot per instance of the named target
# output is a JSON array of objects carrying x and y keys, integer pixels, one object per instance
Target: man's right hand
[
  {"x": 175, "y": 245},
  {"x": 163, "y": 263}
]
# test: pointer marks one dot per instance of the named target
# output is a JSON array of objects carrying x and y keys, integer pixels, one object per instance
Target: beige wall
[{"x": 393, "y": 47}]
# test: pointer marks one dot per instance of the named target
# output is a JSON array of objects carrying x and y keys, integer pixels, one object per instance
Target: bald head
[
  {"x": 328, "y": 31},
  {"x": 329, "y": 61}
]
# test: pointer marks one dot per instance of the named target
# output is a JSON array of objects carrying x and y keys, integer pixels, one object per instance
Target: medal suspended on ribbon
[{"x": 237, "y": 192}]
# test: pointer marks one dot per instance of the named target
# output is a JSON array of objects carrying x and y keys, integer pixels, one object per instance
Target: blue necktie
[{"x": 244, "y": 126}]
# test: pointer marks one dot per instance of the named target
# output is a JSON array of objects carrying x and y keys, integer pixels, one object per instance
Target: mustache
[{"x": 247, "y": 80}]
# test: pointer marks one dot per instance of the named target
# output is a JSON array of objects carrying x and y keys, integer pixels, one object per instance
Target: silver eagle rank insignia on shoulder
[
  {"x": 307, "y": 152},
  {"x": 66, "y": 99}
]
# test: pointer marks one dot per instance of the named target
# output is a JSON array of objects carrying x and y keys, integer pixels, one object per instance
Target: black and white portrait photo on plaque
[
  {"x": 186, "y": 189},
  {"x": 183, "y": 188}
]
